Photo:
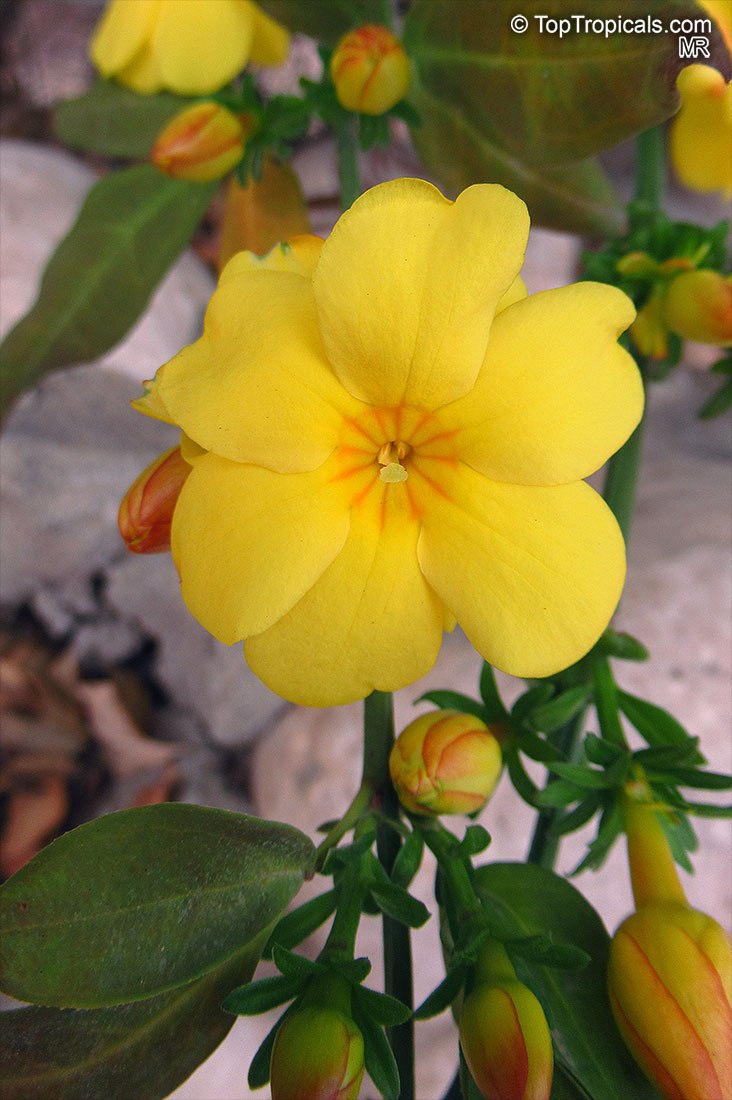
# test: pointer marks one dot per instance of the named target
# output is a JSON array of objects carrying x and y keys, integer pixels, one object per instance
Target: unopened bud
[
  {"x": 669, "y": 983},
  {"x": 318, "y": 1055},
  {"x": 698, "y": 306},
  {"x": 504, "y": 1034},
  {"x": 146, "y": 512},
  {"x": 202, "y": 143},
  {"x": 370, "y": 70},
  {"x": 445, "y": 763},
  {"x": 649, "y": 331}
]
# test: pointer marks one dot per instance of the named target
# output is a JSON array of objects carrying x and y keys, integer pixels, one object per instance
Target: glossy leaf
[
  {"x": 588, "y": 1047},
  {"x": 145, "y": 1049},
  {"x": 328, "y": 20},
  {"x": 545, "y": 98},
  {"x": 131, "y": 227},
  {"x": 114, "y": 121},
  {"x": 142, "y": 901}
]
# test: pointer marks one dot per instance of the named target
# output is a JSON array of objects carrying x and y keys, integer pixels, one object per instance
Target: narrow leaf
[
  {"x": 560, "y": 710},
  {"x": 295, "y": 966},
  {"x": 495, "y": 710},
  {"x": 586, "y": 777},
  {"x": 380, "y": 1007},
  {"x": 302, "y": 922},
  {"x": 454, "y": 700},
  {"x": 258, "y": 1075},
  {"x": 142, "y": 901},
  {"x": 476, "y": 840},
  {"x": 443, "y": 996},
  {"x": 520, "y": 778},
  {"x": 145, "y": 1049},
  {"x": 408, "y": 860},
  {"x": 607, "y": 703},
  {"x": 115, "y": 121},
  {"x": 655, "y": 725},
  {"x": 261, "y": 996},
  {"x": 602, "y": 752},
  {"x": 560, "y": 793},
  {"x": 576, "y": 818},
  {"x": 623, "y": 646},
  {"x": 380, "y": 1062},
  {"x": 401, "y": 906},
  {"x": 132, "y": 226},
  {"x": 610, "y": 828}
]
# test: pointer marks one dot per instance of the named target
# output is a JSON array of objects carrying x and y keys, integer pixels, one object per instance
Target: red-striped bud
[
  {"x": 370, "y": 70},
  {"x": 146, "y": 512}
]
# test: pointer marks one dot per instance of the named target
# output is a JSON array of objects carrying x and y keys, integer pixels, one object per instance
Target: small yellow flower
[
  {"x": 445, "y": 763},
  {"x": 701, "y": 132},
  {"x": 395, "y": 437},
  {"x": 202, "y": 143},
  {"x": 192, "y": 47},
  {"x": 698, "y": 306},
  {"x": 370, "y": 70}
]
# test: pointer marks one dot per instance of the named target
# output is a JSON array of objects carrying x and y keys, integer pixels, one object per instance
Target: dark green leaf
[
  {"x": 145, "y": 1049},
  {"x": 691, "y": 777},
  {"x": 302, "y": 922},
  {"x": 560, "y": 710},
  {"x": 655, "y": 725},
  {"x": 476, "y": 840},
  {"x": 599, "y": 751},
  {"x": 668, "y": 756},
  {"x": 258, "y": 1075},
  {"x": 380, "y": 1063},
  {"x": 295, "y": 966},
  {"x": 327, "y": 20},
  {"x": 576, "y": 818},
  {"x": 495, "y": 710},
  {"x": 454, "y": 700},
  {"x": 542, "y": 98},
  {"x": 587, "y": 1044},
  {"x": 399, "y": 905},
  {"x": 607, "y": 703},
  {"x": 520, "y": 778},
  {"x": 528, "y": 702},
  {"x": 560, "y": 793},
  {"x": 443, "y": 996},
  {"x": 576, "y": 198},
  {"x": 353, "y": 970},
  {"x": 261, "y": 996},
  {"x": 408, "y": 860},
  {"x": 542, "y": 949},
  {"x": 114, "y": 121},
  {"x": 610, "y": 828},
  {"x": 623, "y": 646},
  {"x": 703, "y": 809},
  {"x": 142, "y": 901},
  {"x": 536, "y": 748},
  {"x": 681, "y": 839},
  {"x": 590, "y": 778},
  {"x": 131, "y": 227},
  {"x": 718, "y": 403},
  {"x": 380, "y": 1007}
]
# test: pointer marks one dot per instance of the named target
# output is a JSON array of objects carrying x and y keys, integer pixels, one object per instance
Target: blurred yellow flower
[
  {"x": 191, "y": 47},
  {"x": 370, "y": 70},
  {"x": 392, "y": 436}
]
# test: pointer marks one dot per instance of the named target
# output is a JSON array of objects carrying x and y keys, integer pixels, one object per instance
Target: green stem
[
  {"x": 342, "y": 936},
  {"x": 650, "y": 167},
  {"x": 463, "y": 907},
  {"x": 544, "y": 845},
  {"x": 378, "y": 741},
  {"x": 621, "y": 480},
  {"x": 349, "y": 175},
  {"x": 349, "y": 820}
]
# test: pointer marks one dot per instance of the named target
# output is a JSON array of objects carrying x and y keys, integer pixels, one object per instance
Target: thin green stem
[
  {"x": 463, "y": 905},
  {"x": 621, "y": 480},
  {"x": 342, "y": 936},
  {"x": 544, "y": 846},
  {"x": 349, "y": 820},
  {"x": 349, "y": 174},
  {"x": 378, "y": 741},
  {"x": 650, "y": 167}
]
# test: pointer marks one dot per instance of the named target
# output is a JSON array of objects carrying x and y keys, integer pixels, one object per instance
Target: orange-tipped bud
[
  {"x": 669, "y": 982},
  {"x": 202, "y": 143},
  {"x": 318, "y": 1055},
  {"x": 370, "y": 70},
  {"x": 445, "y": 763},
  {"x": 504, "y": 1034},
  {"x": 146, "y": 511},
  {"x": 698, "y": 306}
]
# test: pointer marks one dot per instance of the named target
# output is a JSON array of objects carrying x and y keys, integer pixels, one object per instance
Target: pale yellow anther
[{"x": 393, "y": 473}]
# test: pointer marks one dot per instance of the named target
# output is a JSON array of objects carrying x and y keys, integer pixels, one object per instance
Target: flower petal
[
  {"x": 270, "y": 41},
  {"x": 370, "y": 623},
  {"x": 556, "y": 395},
  {"x": 249, "y": 543},
  {"x": 201, "y": 45},
  {"x": 531, "y": 574},
  {"x": 407, "y": 286},
  {"x": 257, "y": 387},
  {"x": 122, "y": 32},
  {"x": 298, "y": 255}
]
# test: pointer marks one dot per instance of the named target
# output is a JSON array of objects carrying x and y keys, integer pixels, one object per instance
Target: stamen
[{"x": 393, "y": 473}]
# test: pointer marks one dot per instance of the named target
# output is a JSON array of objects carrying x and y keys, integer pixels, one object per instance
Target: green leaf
[
  {"x": 718, "y": 403},
  {"x": 537, "y": 748},
  {"x": 295, "y": 966},
  {"x": 587, "y": 1044},
  {"x": 542, "y": 949},
  {"x": 145, "y": 1049},
  {"x": 576, "y": 198},
  {"x": 258, "y": 1075},
  {"x": 399, "y": 905},
  {"x": 326, "y": 21},
  {"x": 692, "y": 777},
  {"x": 602, "y": 752},
  {"x": 261, "y": 996},
  {"x": 622, "y": 646},
  {"x": 454, "y": 700},
  {"x": 589, "y": 778},
  {"x": 476, "y": 840},
  {"x": 131, "y": 227},
  {"x": 380, "y": 1007},
  {"x": 541, "y": 98},
  {"x": 302, "y": 922},
  {"x": 655, "y": 725},
  {"x": 560, "y": 793},
  {"x": 607, "y": 703},
  {"x": 495, "y": 710},
  {"x": 408, "y": 860},
  {"x": 560, "y": 710},
  {"x": 576, "y": 818},
  {"x": 111, "y": 120},
  {"x": 144, "y": 900},
  {"x": 380, "y": 1062},
  {"x": 520, "y": 778},
  {"x": 610, "y": 828},
  {"x": 443, "y": 996}
]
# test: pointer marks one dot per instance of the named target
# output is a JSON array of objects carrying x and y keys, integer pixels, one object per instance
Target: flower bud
[
  {"x": 146, "y": 511},
  {"x": 445, "y": 763},
  {"x": 504, "y": 1034},
  {"x": 370, "y": 70},
  {"x": 669, "y": 977},
  {"x": 202, "y": 143},
  {"x": 649, "y": 332},
  {"x": 698, "y": 306},
  {"x": 317, "y": 1055}
]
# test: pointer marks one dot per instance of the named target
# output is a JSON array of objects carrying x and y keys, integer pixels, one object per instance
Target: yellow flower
[
  {"x": 370, "y": 70},
  {"x": 701, "y": 133},
  {"x": 191, "y": 47},
  {"x": 445, "y": 763},
  {"x": 698, "y": 306},
  {"x": 393, "y": 437},
  {"x": 204, "y": 142}
]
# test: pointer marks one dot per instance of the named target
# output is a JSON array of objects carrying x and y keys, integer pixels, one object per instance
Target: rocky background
[{"x": 111, "y": 695}]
